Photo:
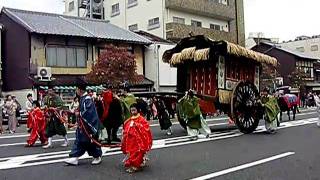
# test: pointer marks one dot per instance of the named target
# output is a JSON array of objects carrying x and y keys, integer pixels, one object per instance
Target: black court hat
[{"x": 81, "y": 84}]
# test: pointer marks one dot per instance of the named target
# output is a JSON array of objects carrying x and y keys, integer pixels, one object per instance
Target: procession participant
[
  {"x": 189, "y": 111},
  {"x": 127, "y": 100},
  {"x": 136, "y": 141},
  {"x": 98, "y": 101},
  {"x": 55, "y": 122},
  {"x": 29, "y": 108},
  {"x": 114, "y": 119},
  {"x": 317, "y": 101},
  {"x": 163, "y": 116},
  {"x": 271, "y": 111},
  {"x": 88, "y": 128},
  {"x": 36, "y": 117}
]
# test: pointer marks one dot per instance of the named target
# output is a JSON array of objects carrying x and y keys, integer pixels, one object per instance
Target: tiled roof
[
  {"x": 56, "y": 24},
  {"x": 295, "y": 53},
  {"x": 153, "y": 37}
]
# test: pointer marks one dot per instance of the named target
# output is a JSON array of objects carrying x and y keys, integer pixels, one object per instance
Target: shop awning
[
  {"x": 68, "y": 83},
  {"x": 72, "y": 88}
]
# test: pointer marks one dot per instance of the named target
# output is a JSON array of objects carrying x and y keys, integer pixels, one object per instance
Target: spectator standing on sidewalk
[
  {"x": 74, "y": 106},
  {"x": 18, "y": 109},
  {"x": 29, "y": 108},
  {"x": 1, "y": 117},
  {"x": 11, "y": 107}
]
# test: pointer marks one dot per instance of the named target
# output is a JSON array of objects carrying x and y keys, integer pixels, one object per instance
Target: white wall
[
  {"x": 158, "y": 71},
  {"x": 206, "y": 21},
  {"x": 306, "y": 44},
  {"x": 139, "y": 14},
  {"x": 74, "y": 12}
]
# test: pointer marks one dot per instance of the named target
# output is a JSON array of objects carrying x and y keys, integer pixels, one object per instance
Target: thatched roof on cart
[{"x": 201, "y": 48}]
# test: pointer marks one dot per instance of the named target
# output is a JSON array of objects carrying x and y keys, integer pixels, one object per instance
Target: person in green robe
[
  {"x": 189, "y": 110},
  {"x": 271, "y": 111},
  {"x": 54, "y": 124},
  {"x": 127, "y": 99}
]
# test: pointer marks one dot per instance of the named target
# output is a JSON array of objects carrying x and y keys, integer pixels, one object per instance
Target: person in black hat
[{"x": 88, "y": 129}]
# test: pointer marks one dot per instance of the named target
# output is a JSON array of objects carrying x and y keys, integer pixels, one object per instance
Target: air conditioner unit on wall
[{"x": 44, "y": 73}]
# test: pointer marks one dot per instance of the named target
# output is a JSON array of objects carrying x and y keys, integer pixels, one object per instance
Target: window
[
  {"x": 306, "y": 67},
  {"x": 132, "y": 3},
  {"x": 300, "y": 49},
  {"x": 59, "y": 56},
  {"x": 115, "y": 10},
  {"x": 314, "y": 48},
  {"x": 153, "y": 23},
  {"x": 224, "y": 2},
  {"x": 215, "y": 27},
  {"x": 196, "y": 23},
  {"x": 71, "y": 6},
  {"x": 178, "y": 20},
  {"x": 133, "y": 27}
]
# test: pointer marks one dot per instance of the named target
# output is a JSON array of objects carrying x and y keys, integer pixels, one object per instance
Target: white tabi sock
[
  {"x": 50, "y": 141},
  {"x": 65, "y": 139}
]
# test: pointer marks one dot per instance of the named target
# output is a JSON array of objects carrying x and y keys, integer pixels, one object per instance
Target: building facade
[
  {"x": 175, "y": 19},
  {"x": 304, "y": 44},
  {"x": 289, "y": 61},
  {"x": 163, "y": 76},
  {"x": 65, "y": 47}
]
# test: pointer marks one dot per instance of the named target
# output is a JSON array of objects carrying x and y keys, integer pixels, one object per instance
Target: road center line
[{"x": 244, "y": 166}]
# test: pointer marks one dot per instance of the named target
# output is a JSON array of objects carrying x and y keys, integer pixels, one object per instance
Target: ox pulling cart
[{"x": 223, "y": 72}]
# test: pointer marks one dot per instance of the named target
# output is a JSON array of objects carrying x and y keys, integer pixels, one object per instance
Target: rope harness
[{"x": 81, "y": 126}]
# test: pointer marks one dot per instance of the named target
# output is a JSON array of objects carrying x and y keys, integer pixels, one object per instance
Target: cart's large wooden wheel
[{"x": 245, "y": 106}]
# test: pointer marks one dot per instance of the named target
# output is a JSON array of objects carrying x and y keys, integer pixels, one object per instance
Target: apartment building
[{"x": 174, "y": 19}]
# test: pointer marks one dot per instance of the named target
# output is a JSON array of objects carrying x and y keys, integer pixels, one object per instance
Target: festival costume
[
  {"x": 88, "y": 123},
  {"x": 189, "y": 111},
  {"x": 271, "y": 113},
  {"x": 136, "y": 141},
  {"x": 36, "y": 117},
  {"x": 126, "y": 102},
  {"x": 163, "y": 116},
  {"x": 55, "y": 126},
  {"x": 317, "y": 101},
  {"x": 114, "y": 119}
]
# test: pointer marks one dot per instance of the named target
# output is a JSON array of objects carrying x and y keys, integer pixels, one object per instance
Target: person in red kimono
[
  {"x": 136, "y": 140},
  {"x": 38, "y": 124}
]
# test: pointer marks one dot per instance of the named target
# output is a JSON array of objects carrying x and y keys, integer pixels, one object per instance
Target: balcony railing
[
  {"x": 204, "y": 7},
  {"x": 176, "y": 31}
]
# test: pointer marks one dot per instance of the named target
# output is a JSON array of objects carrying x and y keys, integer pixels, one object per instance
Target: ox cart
[{"x": 225, "y": 73}]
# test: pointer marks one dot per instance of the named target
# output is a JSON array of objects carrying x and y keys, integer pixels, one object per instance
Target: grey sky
[
  {"x": 53, "y": 6},
  {"x": 284, "y": 19}
]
